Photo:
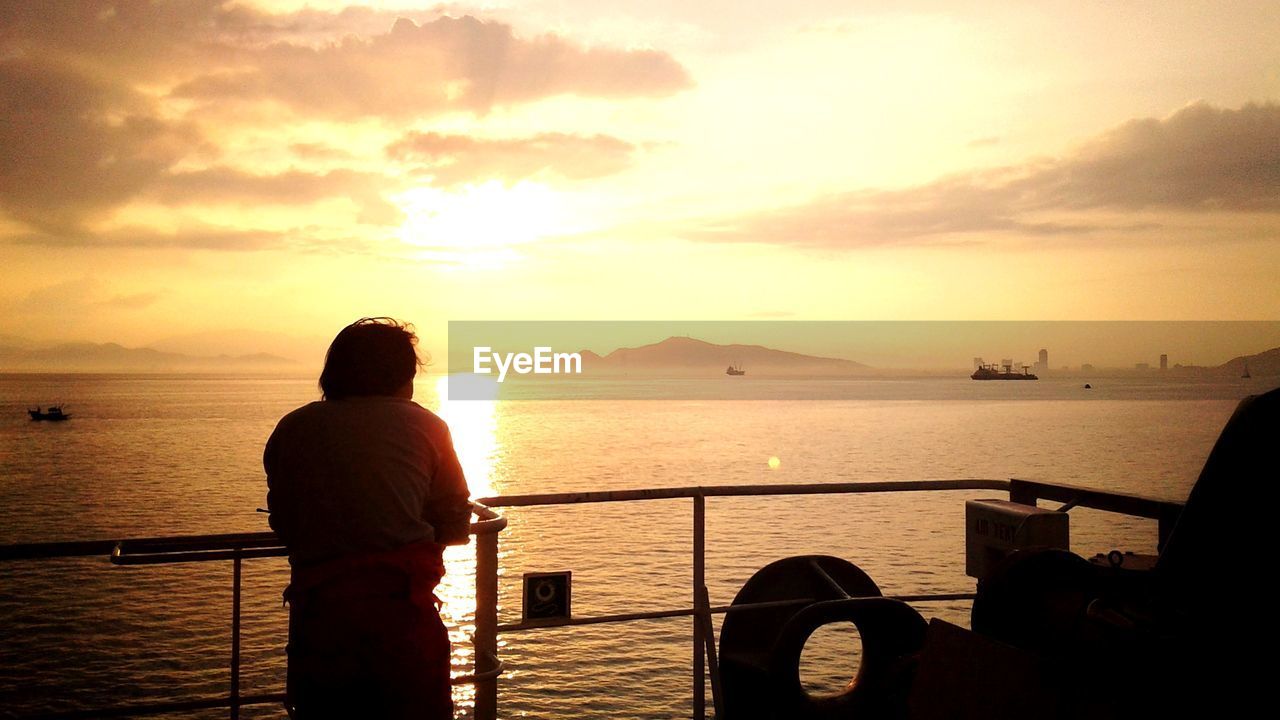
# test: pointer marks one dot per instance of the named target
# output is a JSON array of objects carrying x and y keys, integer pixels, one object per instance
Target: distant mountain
[
  {"x": 240, "y": 342},
  {"x": 112, "y": 357},
  {"x": 1266, "y": 362},
  {"x": 690, "y": 355}
]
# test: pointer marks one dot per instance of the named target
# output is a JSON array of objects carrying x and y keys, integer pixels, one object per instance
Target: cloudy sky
[{"x": 176, "y": 168}]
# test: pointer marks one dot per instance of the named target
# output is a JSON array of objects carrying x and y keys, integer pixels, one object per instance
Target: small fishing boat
[
  {"x": 53, "y": 414},
  {"x": 735, "y": 370}
]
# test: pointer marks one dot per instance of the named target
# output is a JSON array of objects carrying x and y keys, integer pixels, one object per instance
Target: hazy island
[
  {"x": 691, "y": 356},
  {"x": 115, "y": 358}
]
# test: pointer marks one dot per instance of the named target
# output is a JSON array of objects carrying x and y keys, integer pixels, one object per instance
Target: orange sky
[{"x": 170, "y": 169}]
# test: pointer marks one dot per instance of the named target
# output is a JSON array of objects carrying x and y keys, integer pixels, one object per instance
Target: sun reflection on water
[{"x": 474, "y": 426}]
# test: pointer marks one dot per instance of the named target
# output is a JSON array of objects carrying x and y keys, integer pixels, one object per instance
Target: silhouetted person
[{"x": 365, "y": 490}]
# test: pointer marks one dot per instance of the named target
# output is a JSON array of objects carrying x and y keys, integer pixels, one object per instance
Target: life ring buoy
[
  {"x": 892, "y": 632},
  {"x": 760, "y": 647}
]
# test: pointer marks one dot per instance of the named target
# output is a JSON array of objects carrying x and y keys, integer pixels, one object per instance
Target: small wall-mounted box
[
  {"x": 995, "y": 528},
  {"x": 548, "y": 595}
]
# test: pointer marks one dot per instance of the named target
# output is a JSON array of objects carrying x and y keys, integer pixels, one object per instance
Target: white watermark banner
[{"x": 831, "y": 360}]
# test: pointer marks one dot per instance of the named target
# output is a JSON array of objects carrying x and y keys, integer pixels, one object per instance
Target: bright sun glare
[
  {"x": 474, "y": 427},
  {"x": 478, "y": 225}
]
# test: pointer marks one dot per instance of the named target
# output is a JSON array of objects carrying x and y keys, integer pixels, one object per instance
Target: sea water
[{"x": 148, "y": 455}]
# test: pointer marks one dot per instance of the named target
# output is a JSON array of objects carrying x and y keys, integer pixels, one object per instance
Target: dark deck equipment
[
  {"x": 1179, "y": 634},
  {"x": 760, "y": 648}
]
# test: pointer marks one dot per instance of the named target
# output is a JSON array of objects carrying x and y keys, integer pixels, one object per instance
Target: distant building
[
  {"x": 1164, "y": 361},
  {"x": 1086, "y": 367},
  {"x": 1043, "y": 363}
]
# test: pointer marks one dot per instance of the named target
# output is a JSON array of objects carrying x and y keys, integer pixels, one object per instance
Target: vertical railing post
[
  {"x": 235, "y": 636},
  {"x": 1168, "y": 519},
  {"x": 486, "y": 635},
  {"x": 1021, "y": 492},
  {"x": 713, "y": 662},
  {"x": 699, "y": 587}
]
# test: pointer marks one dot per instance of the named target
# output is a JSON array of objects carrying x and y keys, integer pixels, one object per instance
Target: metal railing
[
  {"x": 235, "y": 547},
  {"x": 1022, "y": 491},
  {"x": 488, "y": 666}
]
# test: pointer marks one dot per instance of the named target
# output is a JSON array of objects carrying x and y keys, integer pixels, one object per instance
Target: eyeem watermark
[
  {"x": 837, "y": 360},
  {"x": 543, "y": 361}
]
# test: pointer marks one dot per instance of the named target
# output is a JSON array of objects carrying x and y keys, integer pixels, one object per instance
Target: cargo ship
[{"x": 1002, "y": 372}]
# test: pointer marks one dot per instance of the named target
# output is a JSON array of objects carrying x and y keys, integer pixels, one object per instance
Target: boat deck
[{"x": 488, "y": 667}]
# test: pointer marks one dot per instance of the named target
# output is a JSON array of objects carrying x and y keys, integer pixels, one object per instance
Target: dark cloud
[
  {"x": 309, "y": 239},
  {"x": 928, "y": 214},
  {"x": 453, "y": 159},
  {"x": 444, "y": 65},
  {"x": 196, "y": 238},
  {"x": 170, "y": 42},
  {"x": 73, "y": 146},
  {"x": 229, "y": 185},
  {"x": 354, "y": 62},
  {"x": 1200, "y": 159},
  {"x": 138, "y": 39},
  {"x": 89, "y": 119},
  {"x": 219, "y": 185}
]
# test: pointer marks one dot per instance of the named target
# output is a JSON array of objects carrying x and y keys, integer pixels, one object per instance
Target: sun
[{"x": 479, "y": 225}]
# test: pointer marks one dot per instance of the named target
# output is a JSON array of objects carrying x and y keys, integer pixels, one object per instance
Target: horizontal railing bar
[
  {"x": 938, "y": 597},
  {"x": 491, "y": 522},
  {"x": 716, "y": 610},
  {"x": 81, "y": 548},
  {"x": 162, "y": 558},
  {"x": 182, "y": 542},
  {"x": 241, "y": 545},
  {"x": 602, "y": 496},
  {"x": 186, "y": 543},
  {"x": 76, "y": 548},
  {"x": 161, "y": 708},
  {"x": 1107, "y": 500},
  {"x": 595, "y": 620}
]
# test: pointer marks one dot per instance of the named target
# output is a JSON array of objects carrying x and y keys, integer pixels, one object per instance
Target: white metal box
[{"x": 995, "y": 528}]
